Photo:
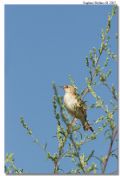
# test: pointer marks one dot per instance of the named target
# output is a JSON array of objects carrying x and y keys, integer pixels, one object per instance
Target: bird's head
[{"x": 70, "y": 89}]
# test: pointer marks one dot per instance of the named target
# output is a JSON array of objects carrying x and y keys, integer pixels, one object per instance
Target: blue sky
[{"x": 45, "y": 44}]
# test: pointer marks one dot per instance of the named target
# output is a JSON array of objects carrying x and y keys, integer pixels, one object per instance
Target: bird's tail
[{"x": 87, "y": 126}]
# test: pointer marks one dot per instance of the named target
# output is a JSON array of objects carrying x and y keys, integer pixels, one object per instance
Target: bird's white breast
[{"x": 70, "y": 102}]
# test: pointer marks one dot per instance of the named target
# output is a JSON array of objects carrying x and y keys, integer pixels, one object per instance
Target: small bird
[{"x": 75, "y": 106}]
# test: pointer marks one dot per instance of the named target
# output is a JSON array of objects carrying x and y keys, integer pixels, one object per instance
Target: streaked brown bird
[{"x": 75, "y": 106}]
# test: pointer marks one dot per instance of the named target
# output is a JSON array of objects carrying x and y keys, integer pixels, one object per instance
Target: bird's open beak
[{"x": 66, "y": 86}]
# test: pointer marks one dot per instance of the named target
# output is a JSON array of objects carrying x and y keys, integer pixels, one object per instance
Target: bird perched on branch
[{"x": 75, "y": 106}]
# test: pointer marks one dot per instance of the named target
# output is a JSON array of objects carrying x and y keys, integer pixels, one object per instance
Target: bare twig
[
  {"x": 110, "y": 149},
  {"x": 109, "y": 88}
]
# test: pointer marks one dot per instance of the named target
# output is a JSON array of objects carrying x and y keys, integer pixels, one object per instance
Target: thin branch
[
  {"x": 110, "y": 149},
  {"x": 109, "y": 88},
  {"x": 56, "y": 162},
  {"x": 86, "y": 90},
  {"x": 77, "y": 152},
  {"x": 102, "y": 48}
]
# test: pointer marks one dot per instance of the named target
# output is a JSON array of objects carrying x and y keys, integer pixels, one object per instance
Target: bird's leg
[
  {"x": 71, "y": 124},
  {"x": 74, "y": 120}
]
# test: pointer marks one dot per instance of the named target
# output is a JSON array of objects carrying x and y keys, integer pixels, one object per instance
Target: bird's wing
[{"x": 81, "y": 105}]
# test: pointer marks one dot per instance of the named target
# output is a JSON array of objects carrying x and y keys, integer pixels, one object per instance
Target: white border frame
[
  {"x": 2, "y": 6},
  {"x": 2, "y": 89}
]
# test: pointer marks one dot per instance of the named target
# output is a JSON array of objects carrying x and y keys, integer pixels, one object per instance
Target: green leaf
[
  {"x": 100, "y": 51},
  {"x": 82, "y": 159},
  {"x": 22, "y": 120},
  {"x": 90, "y": 156},
  {"x": 112, "y": 124},
  {"x": 9, "y": 157},
  {"x": 97, "y": 70},
  {"x": 102, "y": 77},
  {"x": 91, "y": 55},
  {"x": 100, "y": 129},
  {"x": 99, "y": 102},
  {"x": 106, "y": 62},
  {"x": 114, "y": 9},
  {"x": 93, "y": 136},
  {"x": 110, "y": 115},
  {"x": 45, "y": 146},
  {"x": 91, "y": 168},
  {"x": 91, "y": 90},
  {"x": 108, "y": 73},
  {"x": 49, "y": 155},
  {"x": 87, "y": 62},
  {"x": 29, "y": 132},
  {"x": 103, "y": 159},
  {"x": 36, "y": 141},
  {"x": 57, "y": 116},
  {"x": 104, "y": 124},
  {"x": 99, "y": 119}
]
